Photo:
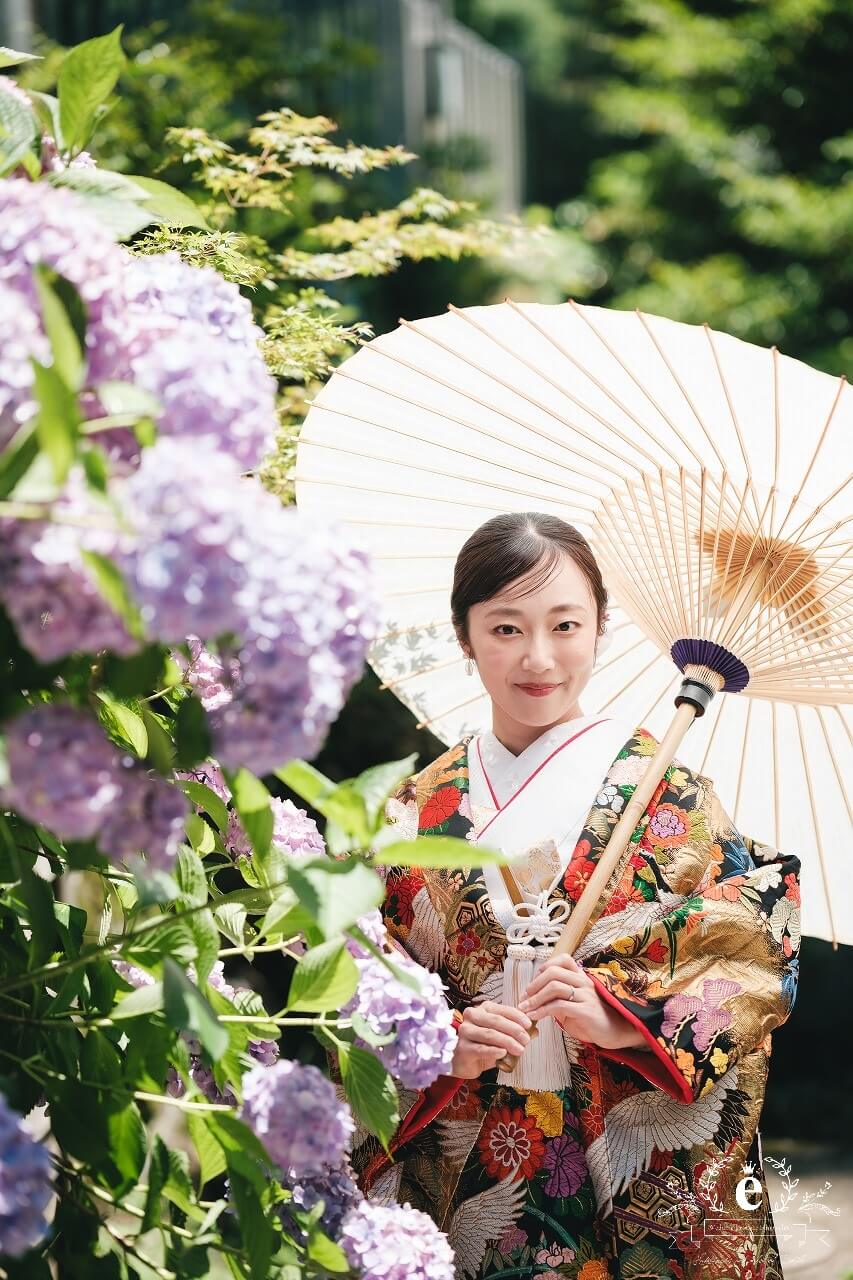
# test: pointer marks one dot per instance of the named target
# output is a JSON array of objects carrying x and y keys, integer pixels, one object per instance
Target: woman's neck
[{"x": 517, "y": 737}]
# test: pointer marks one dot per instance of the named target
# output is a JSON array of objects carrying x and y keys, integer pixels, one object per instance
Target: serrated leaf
[
  {"x": 206, "y": 937},
  {"x": 141, "y": 1002},
  {"x": 336, "y": 894},
  {"x": 208, "y": 800},
  {"x": 87, "y": 77},
  {"x": 186, "y": 1009},
  {"x": 306, "y": 781},
  {"x": 168, "y": 205},
  {"x": 230, "y": 918},
  {"x": 326, "y": 1253},
  {"x": 211, "y": 1157},
  {"x": 18, "y": 131},
  {"x": 252, "y": 802},
  {"x": 189, "y": 873},
  {"x": 324, "y": 979},
  {"x": 127, "y": 724},
  {"x": 158, "y": 1174},
  {"x": 370, "y": 1091},
  {"x": 437, "y": 851},
  {"x": 127, "y": 1147},
  {"x": 375, "y": 785}
]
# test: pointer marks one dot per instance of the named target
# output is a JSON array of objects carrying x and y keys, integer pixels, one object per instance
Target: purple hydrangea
[
  {"x": 294, "y": 833},
  {"x": 337, "y": 1190},
  {"x": 205, "y": 675},
  {"x": 294, "y": 1111},
  {"x": 225, "y": 556},
  {"x": 395, "y": 1242},
  {"x": 63, "y": 770},
  {"x": 45, "y": 585},
  {"x": 21, "y": 340},
  {"x": 44, "y": 224},
  {"x": 162, "y": 285},
  {"x": 150, "y": 818},
  {"x": 25, "y": 1185},
  {"x": 373, "y": 926},
  {"x": 65, "y": 774},
  {"x": 209, "y": 774},
  {"x": 422, "y": 1022},
  {"x": 187, "y": 561}
]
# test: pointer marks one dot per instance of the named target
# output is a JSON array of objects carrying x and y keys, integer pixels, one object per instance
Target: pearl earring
[{"x": 469, "y": 666}]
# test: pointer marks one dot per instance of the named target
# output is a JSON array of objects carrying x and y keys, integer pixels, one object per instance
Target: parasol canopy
[{"x": 711, "y": 477}]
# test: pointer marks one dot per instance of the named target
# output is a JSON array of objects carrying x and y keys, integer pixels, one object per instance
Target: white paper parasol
[{"x": 711, "y": 477}]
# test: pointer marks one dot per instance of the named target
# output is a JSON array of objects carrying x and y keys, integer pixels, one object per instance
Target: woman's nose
[{"x": 539, "y": 656}]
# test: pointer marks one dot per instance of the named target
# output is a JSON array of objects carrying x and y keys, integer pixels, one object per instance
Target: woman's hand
[
  {"x": 563, "y": 990},
  {"x": 488, "y": 1032}
]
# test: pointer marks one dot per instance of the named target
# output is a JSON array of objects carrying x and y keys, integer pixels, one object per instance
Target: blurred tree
[{"x": 704, "y": 155}]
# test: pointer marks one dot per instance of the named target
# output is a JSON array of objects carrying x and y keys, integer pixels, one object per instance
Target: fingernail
[{"x": 523, "y": 1005}]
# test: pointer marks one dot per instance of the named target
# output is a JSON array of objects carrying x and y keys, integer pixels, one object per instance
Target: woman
[{"x": 642, "y": 1155}]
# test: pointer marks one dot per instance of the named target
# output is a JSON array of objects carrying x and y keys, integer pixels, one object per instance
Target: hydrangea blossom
[
  {"x": 373, "y": 926},
  {"x": 395, "y": 1242},
  {"x": 25, "y": 1185},
  {"x": 422, "y": 1022},
  {"x": 65, "y": 774},
  {"x": 46, "y": 586},
  {"x": 151, "y": 819},
  {"x": 205, "y": 675},
  {"x": 49, "y": 225},
  {"x": 227, "y": 557},
  {"x": 335, "y": 1187},
  {"x": 162, "y": 284},
  {"x": 63, "y": 770},
  {"x": 294, "y": 833},
  {"x": 21, "y": 341},
  {"x": 294, "y": 1111}
]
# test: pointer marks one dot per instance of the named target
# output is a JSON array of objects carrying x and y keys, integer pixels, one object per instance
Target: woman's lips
[{"x": 538, "y": 690}]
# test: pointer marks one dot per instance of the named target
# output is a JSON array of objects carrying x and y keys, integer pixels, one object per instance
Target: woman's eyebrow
[{"x": 517, "y": 613}]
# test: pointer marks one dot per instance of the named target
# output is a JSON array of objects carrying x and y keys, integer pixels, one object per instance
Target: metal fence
[{"x": 418, "y": 77}]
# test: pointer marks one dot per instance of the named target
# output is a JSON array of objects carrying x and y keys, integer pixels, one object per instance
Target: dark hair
[{"x": 508, "y": 547}]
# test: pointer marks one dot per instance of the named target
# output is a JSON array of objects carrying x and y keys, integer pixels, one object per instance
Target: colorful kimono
[{"x": 648, "y": 1164}]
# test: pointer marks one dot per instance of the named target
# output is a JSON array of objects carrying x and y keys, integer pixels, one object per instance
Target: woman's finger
[
  {"x": 489, "y": 1010},
  {"x": 491, "y": 1037},
  {"x": 555, "y": 967},
  {"x": 559, "y": 987},
  {"x": 565, "y": 1012}
]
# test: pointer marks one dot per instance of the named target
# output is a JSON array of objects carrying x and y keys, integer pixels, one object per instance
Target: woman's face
[{"x": 535, "y": 653}]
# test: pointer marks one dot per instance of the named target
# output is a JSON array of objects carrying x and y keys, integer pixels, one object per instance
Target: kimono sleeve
[{"x": 706, "y": 983}]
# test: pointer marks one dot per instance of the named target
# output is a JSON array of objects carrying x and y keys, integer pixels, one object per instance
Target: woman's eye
[
  {"x": 569, "y": 623},
  {"x": 503, "y": 624}
]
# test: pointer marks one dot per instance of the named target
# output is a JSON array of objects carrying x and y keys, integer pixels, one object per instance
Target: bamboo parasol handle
[{"x": 578, "y": 921}]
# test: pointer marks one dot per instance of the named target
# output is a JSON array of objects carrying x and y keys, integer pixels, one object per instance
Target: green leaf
[
  {"x": 259, "y": 1238},
  {"x": 326, "y": 1253},
  {"x": 252, "y": 802},
  {"x": 370, "y": 1091},
  {"x": 116, "y": 202},
  {"x": 243, "y": 1151},
  {"x": 124, "y": 723},
  {"x": 86, "y": 78},
  {"x": 207, "y": 800},
  {"x": 14, "y": 57},
  {"x": 336, "y": 894},
  {"x": 141, "y": 1002},
  {"x": 47, "y": 109},
  {"x": 306, "y": 781},
  {"x": 200, "y": 835},
  {"x": 191, "y": 879},
  {"x": 161, "y": 749},
  {"x": 377, "y": 784},
  {"x": 58, "y": 422},
  {"x": 192, "y": 733},
  {"x": 168, "y": 205},
  {"x": 127, "y": 1147},
  {"x": 211, "y": 1157},
  {"x": 18, "y": 131},
  {"x": 206, "y": 935},
  {"x": 124, "y": 397},
  {"x": 187, "y": 1010},
  {"x": 112, "y": 586},
  {"x": 323, "y": 980},
  {"x": 437, "y": 851},
  {"x": 64, "y": 341},
  {"x": 158, "y": 1176},
  {"x": 17, "y": 458},
  {"x": 231, "y": 920}
]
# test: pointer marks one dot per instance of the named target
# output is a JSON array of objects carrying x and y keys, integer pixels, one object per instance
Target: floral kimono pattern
[{"x": 630, "y": 1171}]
